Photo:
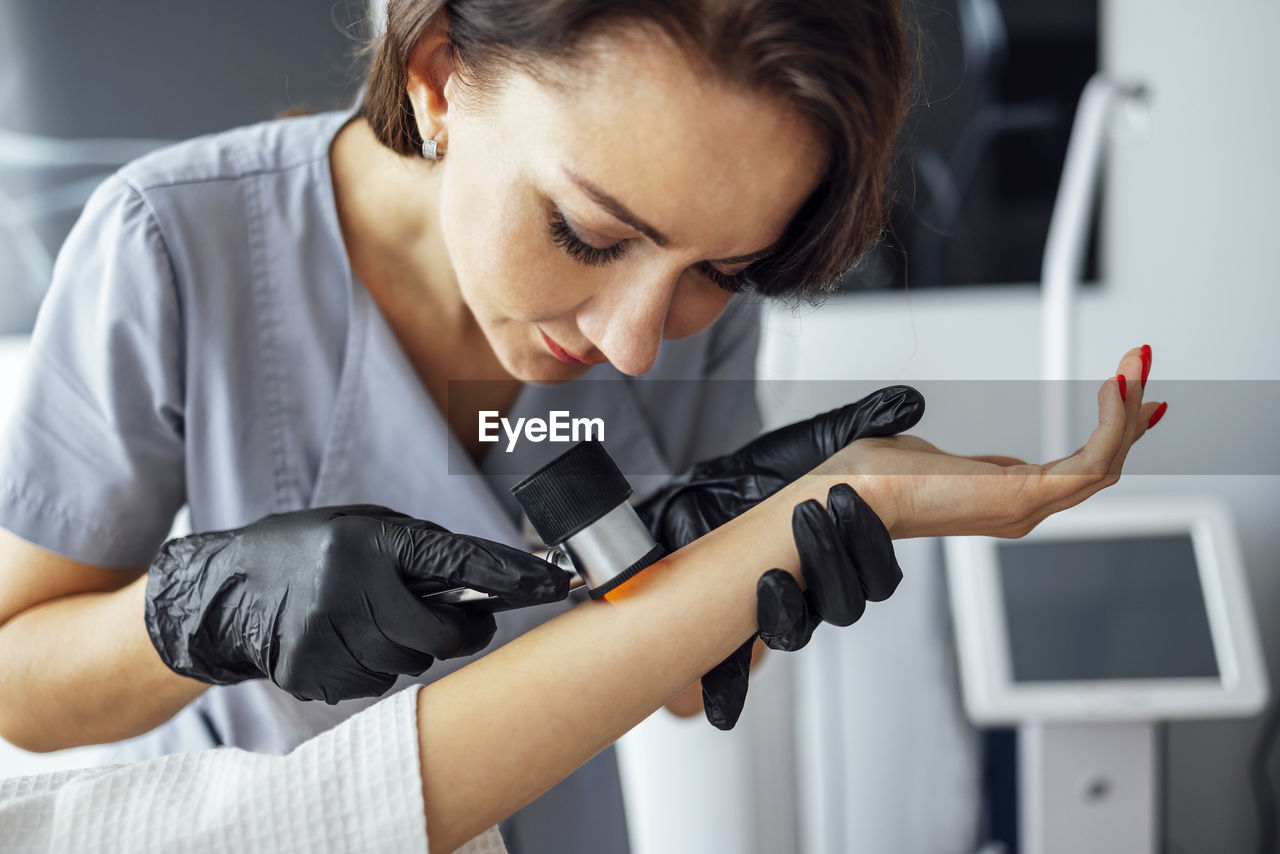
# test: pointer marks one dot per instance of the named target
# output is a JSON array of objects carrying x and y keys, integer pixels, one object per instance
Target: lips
[{"x": 564, "y": 355}]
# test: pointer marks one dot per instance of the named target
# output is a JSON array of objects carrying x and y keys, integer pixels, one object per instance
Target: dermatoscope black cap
[{"x": 572, "y": 491}]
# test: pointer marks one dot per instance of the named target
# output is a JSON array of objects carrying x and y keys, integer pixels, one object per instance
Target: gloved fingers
[
  {"x": 521, "y": 578},
  {"x": 381, "y": 655},
  {"x": 475, "y": 630},
  {"x": 432, "y": 560},
  {"x": 322, "y": 667},
  {"x": 395, "y": 632},
  {"x": 724, "y": 687},
  {"x": 797, "y": 449},
  {"x": 386, "y": 519},
  {"x": 829, "y": 574},
  {"x": 361, "y": 683},
  {"x": 450, "y": 631},
  {"x": 885, "y": 412},
  {"x": 866, "y": 540},
  {"x": 372, "y": 511},
  {"x": 377, "y": 652},
  {"x": 782, "y": 613},
  {"x": 336, "y": 689}
]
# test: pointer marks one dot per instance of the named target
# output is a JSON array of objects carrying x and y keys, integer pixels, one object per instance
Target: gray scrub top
[{"x": 205, "y": 344}]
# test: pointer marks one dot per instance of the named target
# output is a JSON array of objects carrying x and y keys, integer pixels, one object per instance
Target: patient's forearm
[{"x": 496, "y": 734}]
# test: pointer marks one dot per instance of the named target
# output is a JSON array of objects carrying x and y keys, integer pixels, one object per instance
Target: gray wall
[{"x": 146, "y": 69}]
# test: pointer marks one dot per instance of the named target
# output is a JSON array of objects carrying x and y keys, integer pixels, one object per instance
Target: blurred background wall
[{"x": 87, "y": 85}]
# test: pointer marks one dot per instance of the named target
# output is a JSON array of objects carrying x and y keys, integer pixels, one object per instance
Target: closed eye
[
  {"x": 735, "y": 284},
  {"x": 563, "y": 235}
]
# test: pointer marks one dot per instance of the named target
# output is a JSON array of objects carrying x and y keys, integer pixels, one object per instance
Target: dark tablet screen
[{"x": 1120, "y": 608}]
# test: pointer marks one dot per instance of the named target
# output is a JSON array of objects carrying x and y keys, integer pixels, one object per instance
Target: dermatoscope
[{"x": 578, "y": 505}]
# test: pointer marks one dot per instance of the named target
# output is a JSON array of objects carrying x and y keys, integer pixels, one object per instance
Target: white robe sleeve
[{"x": 354, "y": 788}]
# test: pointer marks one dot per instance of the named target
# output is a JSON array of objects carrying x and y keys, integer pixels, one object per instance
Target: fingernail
[
  {"x": 1146, "y": 363},
  {"x": 1157, "y": 415},
  {"x": 1120, "y": 381}
]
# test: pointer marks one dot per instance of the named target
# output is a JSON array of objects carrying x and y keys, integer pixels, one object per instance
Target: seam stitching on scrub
[
  {"x": 334, "y": 455},
  {"x": 267, "y": 327},
  {"x": 233, "y": 152},
  {"x": 40, "y": 502},
  {"x": 153, "y": 222},
  {"x": 333, "y": 452},
  {"x": 212, "y": 179}
]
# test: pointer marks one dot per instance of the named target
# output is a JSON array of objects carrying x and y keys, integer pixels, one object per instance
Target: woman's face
[{"x": 589, "y": 222}]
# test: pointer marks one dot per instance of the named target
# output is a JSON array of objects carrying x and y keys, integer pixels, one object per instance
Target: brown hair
[{"x": 842, "y": 63}]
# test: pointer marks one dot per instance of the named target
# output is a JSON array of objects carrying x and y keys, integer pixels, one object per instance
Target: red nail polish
[
  {"x": 1157, "y": 415},
  {"x": 1120, "y": 381},
  {"x": 1146, "y": 363}
]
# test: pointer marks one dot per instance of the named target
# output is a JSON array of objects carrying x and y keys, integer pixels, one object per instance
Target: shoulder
[
  {"x": 276, "y": 146},
  {"x": 234, "y": 219},
  {"x": 247, "y": 208}
]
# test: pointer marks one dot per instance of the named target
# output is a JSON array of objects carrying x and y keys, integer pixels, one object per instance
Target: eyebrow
[{"x": 623, "y": 214}]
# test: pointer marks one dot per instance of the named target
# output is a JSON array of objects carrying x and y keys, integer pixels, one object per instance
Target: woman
[
  {"x": 461, "y": 754},
  {"x": 268, "y": 321}
]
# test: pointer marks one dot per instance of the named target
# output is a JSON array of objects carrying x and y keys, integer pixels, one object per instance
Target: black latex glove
[
  {"x": 847, "y": 560},
  {"x": 325, "y": 602},
  {"x": 713, "y": 492}
]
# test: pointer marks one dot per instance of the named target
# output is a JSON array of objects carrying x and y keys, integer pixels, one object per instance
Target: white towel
[{"x": 354, "y": 788}]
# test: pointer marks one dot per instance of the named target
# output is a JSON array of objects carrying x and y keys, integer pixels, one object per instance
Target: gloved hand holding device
[
  {"x": 845, "y": 552},
  {"x": 325, "y": 602}
]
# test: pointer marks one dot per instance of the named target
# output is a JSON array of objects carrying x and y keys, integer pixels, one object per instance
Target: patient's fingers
[
  {"x": 1098, "y": 463},
  {"x": 1116, "y": 428},
  {"x": 1085, "y": 472},
  {"x": 1133, "y": 366},
  {"x": 1130, "y": 368},
  {"x": 1138, "y": 413},
  {"x": 1144, "y": 418}
]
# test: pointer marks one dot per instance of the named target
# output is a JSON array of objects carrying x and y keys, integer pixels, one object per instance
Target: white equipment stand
[
  {"x": 1088, "y": 787},
  {"x": 1083, "y": 787},
  {"x": 1106, "y": 619},
  {"x": 1064, "y": 249}
]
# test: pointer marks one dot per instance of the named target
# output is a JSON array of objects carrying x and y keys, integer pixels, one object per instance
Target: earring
[{"x": 431, "y": 150}]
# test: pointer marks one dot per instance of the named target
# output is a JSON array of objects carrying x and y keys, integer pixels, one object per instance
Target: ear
[{"x": 429, "y": 69}]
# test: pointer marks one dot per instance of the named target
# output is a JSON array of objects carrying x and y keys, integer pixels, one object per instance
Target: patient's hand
[{"x": 918, "y": 490}]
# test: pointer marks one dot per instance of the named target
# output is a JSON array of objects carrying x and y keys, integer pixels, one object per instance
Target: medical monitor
[{"x": 1121, "y": 608}]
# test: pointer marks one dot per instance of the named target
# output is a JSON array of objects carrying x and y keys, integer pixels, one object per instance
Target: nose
[{"x": 625, "y": 320}]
